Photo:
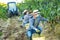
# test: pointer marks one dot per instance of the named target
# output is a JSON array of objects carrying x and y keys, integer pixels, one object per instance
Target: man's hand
[{"x": 37, "y": 30}]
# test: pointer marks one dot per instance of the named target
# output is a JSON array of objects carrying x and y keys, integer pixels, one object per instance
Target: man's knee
[
  {"x": 29, "y": 34},
  {"x": 40, "y": 28}
]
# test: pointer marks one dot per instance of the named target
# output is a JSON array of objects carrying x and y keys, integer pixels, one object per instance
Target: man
[
  {"x": 23, "y": 14},
  {"x": 34, "y": 24},
  {"x": 26, "y": 17}
]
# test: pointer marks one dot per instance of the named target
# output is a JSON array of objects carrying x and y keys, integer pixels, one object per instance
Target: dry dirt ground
[{"x": 12, "y": 31}]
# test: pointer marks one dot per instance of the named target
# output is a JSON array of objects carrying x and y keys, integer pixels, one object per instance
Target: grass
[{"x": 1, "y": 33}]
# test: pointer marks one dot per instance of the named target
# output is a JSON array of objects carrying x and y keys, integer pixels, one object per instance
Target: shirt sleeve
[{"x": 43, "y": 19}]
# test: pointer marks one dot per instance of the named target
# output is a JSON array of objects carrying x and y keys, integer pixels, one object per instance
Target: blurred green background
[{"x": 48, "y": 8}]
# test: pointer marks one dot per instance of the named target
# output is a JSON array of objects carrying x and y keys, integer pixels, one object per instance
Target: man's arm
[
  {"x": 43, "y": 19},
  {"x": 25, "y": 20}
]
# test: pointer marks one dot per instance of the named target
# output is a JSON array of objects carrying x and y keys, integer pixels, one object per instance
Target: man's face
[
  {"x": 27, "y": 12},
  {"x": 34, "y": 15}
]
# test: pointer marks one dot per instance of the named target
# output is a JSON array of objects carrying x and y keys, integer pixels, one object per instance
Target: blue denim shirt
[
  {"x": 32, "y": 22},
  {"x": 26, "y": 19}
]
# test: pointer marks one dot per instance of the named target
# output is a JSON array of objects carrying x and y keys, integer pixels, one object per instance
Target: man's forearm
[
  {"x": 34, "y": 28},
  {"x": 44, "y": 19}
]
